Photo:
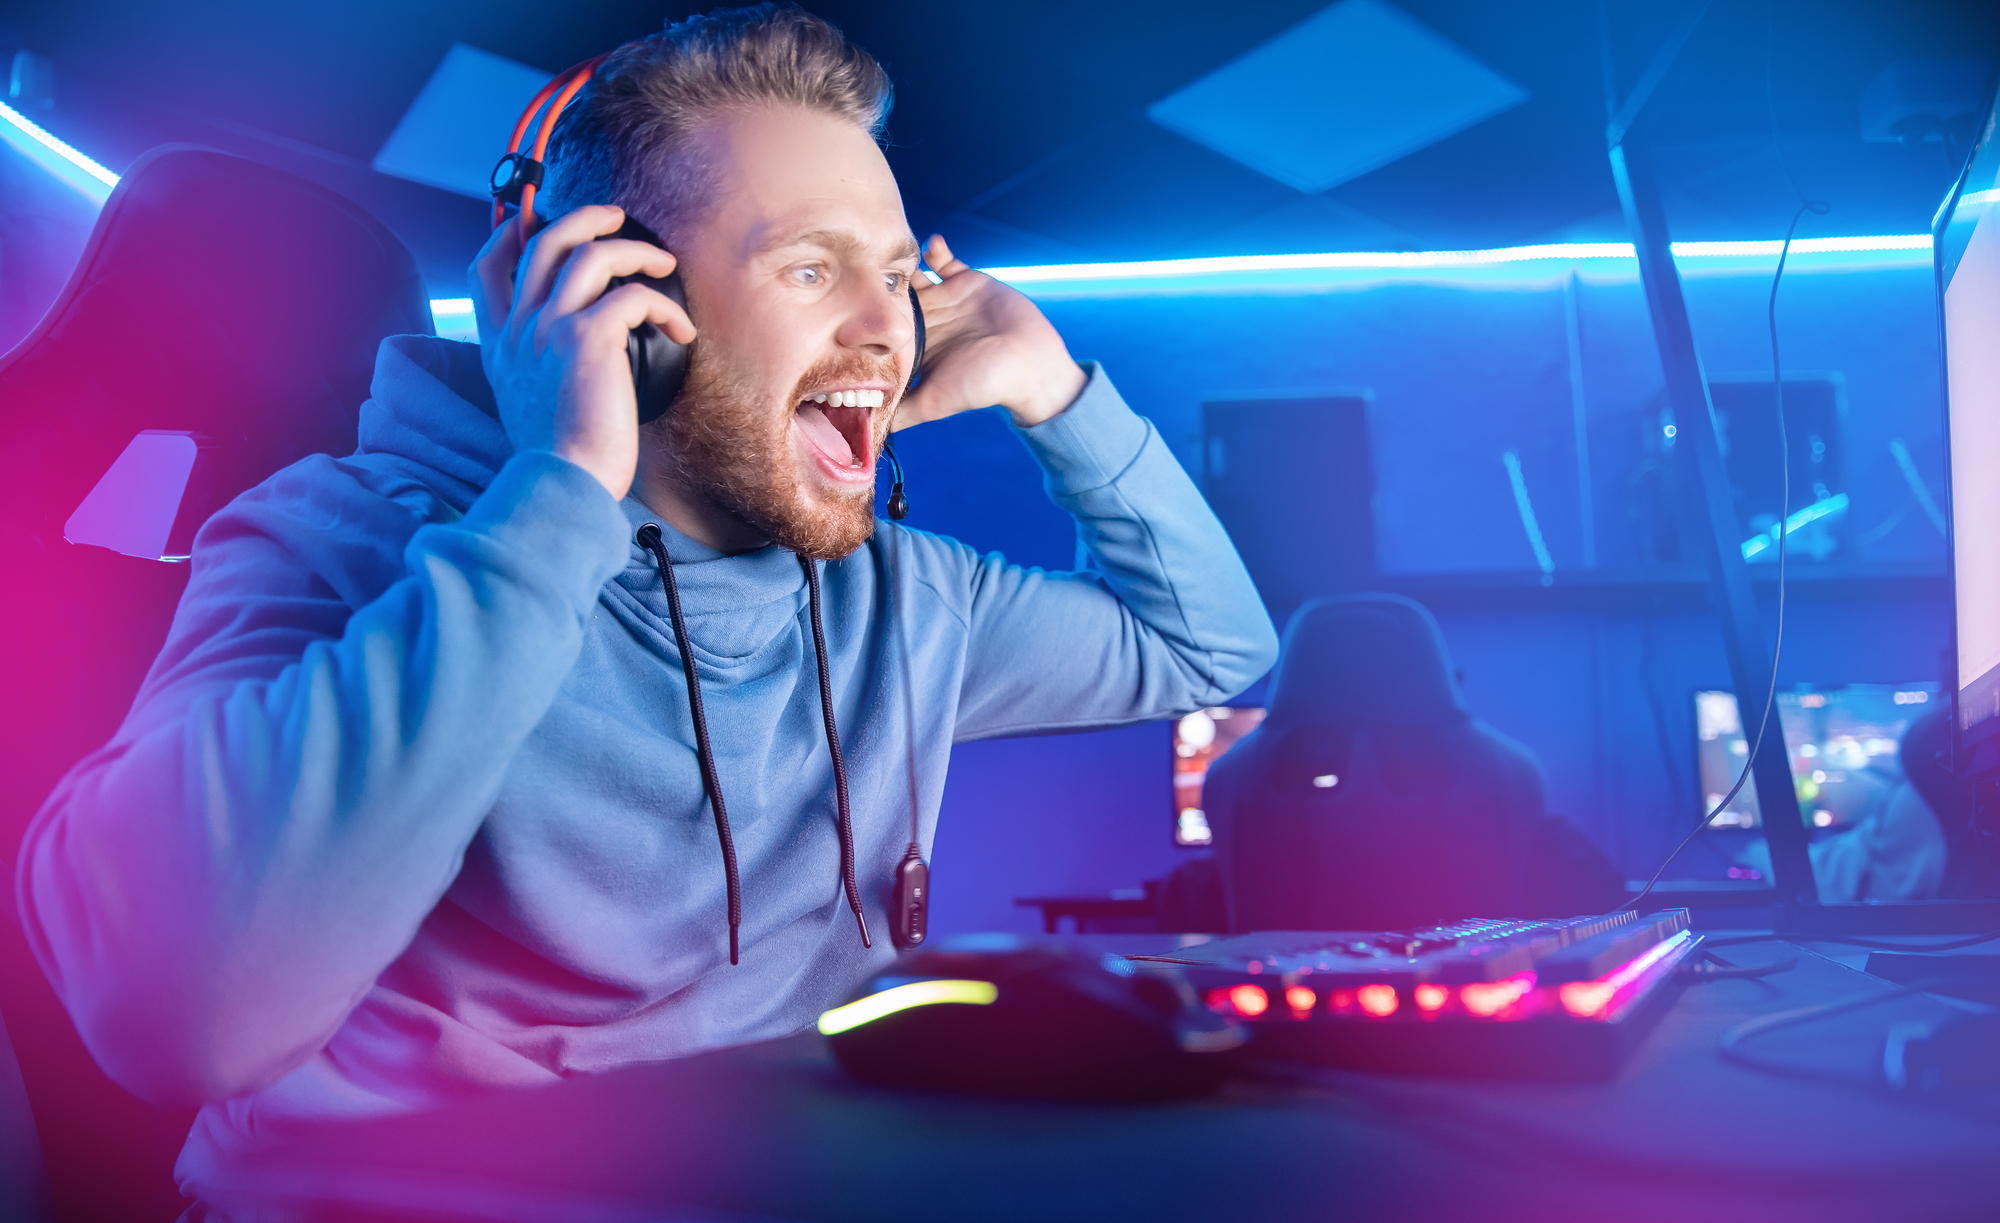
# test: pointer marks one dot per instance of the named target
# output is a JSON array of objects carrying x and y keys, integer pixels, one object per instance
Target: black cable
[
  {"x": 1817, "y": 208},
  {"x": 649, "y": 538},
  {"x": 1722, "y": 970},
  {"x": 1730, "y": 1046},
  {"x": 844, "y": 820}
]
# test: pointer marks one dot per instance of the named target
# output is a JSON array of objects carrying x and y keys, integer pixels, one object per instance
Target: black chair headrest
[
  {"x": 215, "y": 295},
  {"x": 1363, "y": 660}
]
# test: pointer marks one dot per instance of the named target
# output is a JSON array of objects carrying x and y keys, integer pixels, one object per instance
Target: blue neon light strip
[
  {"x": 1236, "y": 273},
  {"x": 76, "y": 171},
  {"x": 1758, "y": 544},
  {"x": 1568, "y": 252}
]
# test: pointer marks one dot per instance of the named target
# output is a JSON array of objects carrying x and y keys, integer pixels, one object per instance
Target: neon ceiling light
[
  {"x": 95, "y": 182},
  {"x": 1558, "y": 251},
  {"x": 76, "y": 171},
  {"x": 1246, "y": 269}
]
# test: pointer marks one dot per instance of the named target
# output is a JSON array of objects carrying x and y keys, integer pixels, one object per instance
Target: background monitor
[
  {"x": 1967, "y": 246},
  {"x": 1199, "y": 739},
  {"x": 1842, "y": 744}
]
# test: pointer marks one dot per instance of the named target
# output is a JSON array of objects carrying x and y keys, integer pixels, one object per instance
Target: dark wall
[{"x": 1462, "y": 367}]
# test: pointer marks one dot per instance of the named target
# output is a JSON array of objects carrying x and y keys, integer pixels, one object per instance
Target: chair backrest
[
  {"x": 1370, "y": 798},
  {"x": 216, "y": 297}
]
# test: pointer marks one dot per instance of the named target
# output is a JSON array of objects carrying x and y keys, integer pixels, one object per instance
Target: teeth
[{"x": 851, "y": 399}]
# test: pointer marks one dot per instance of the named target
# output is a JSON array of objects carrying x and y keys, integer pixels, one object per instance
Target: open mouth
[{"x": 840, "y": 426}]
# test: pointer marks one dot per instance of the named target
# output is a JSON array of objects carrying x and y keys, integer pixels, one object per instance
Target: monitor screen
[
  {"x": 1199, "y": 739},
  {"x": 1968, "y": 263},
  {"x": 1842, "y": 744}
]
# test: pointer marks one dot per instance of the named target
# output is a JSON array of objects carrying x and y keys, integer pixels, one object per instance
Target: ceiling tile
[
  {"x": 457, "y": 127},
  {"x": 1351, "y": 88}
]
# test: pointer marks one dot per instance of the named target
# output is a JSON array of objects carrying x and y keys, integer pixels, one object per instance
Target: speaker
[{"x": 1293, "y": 481}]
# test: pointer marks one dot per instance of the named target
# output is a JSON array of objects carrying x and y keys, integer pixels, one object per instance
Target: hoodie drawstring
[
  {"x": 649, "y": 538},
  {"x": 845, "y": 823}
]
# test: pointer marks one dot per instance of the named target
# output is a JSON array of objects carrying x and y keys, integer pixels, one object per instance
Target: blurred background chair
[
  {"x": 1371, "y": 799},
  {"x": 228, "y": 307}
]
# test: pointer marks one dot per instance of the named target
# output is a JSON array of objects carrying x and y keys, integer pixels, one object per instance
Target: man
[{"x": 413, "y": 802}]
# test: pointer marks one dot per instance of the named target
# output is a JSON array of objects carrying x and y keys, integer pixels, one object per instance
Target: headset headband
[{"x": 525, "y": 169}]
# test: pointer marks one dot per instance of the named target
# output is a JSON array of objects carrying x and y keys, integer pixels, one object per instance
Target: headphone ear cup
[
  {"x": 916, "y": 361},
  {"x": 659, "y": 364}
]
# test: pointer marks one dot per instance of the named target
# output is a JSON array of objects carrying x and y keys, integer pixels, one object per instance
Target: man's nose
[{"x": 877, "y": 320}]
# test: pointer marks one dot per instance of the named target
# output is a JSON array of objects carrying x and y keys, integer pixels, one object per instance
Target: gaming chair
[
  {"x": 216, "y": 297},
  {"x": 1370, "y": 798}
]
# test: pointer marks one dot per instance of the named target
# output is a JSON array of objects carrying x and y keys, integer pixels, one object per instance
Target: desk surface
[{"x": 776, "y": 1132}]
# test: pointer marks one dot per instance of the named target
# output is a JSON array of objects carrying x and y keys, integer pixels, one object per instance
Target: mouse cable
[
  {"x": 1817, "y": 208},
  {"x": 1730, "y": 1046},
  {"x": 1718, "y": 969}
]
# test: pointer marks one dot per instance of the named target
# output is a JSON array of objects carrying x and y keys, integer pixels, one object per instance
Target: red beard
[{"x": 736, "y": 451}]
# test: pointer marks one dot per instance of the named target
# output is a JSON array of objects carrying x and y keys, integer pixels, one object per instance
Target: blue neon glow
[
  {"x": 1281, "y": 272},
  {"x": 1526, "y": 508},
  {"x": 1566, "y": 252},
  {"x": 76, "y": 171},
  {"x": 1758, "y": 544},
  {"x": 1989, "y": 196}
]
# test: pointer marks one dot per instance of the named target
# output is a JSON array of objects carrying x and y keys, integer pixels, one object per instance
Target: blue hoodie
[{"x": 409, "y": 803}]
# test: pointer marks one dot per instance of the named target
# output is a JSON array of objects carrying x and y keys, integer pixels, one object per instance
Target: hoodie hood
[{"x": 432, "y": 417}]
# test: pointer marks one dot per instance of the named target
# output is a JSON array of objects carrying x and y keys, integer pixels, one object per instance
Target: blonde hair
[{"x": 625, "y": 139}]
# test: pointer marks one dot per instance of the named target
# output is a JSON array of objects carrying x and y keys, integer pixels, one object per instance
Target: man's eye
[
  {"x": 894, "y": 280},
  {"x": 808, "y": 275}
]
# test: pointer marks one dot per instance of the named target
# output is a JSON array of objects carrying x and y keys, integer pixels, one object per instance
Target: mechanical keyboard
[{"x": 1522, "y": 999}]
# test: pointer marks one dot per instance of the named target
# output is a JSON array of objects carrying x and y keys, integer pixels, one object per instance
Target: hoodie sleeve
[
  {"x": 295, "y": 787},
  {"x": 1166, "y": 620}
]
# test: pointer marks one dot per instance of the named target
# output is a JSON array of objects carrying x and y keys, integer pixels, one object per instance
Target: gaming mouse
[{"x": 999, "y": 1015}]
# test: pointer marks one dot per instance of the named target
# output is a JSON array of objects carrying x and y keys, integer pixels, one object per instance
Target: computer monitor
[
  {"x": 1200, "y": 738},
  {"x": 1842, "y": 744},
  {"x": 1967, "y": 249}
]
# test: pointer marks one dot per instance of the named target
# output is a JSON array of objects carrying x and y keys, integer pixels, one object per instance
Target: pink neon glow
[
  {"x": 1590, "y": 999},
  {"x": 1249, "y": 1000},
  {"x": 1300, "y": 999},
  {"x": 1340, "y": 1001},
  {"x": 1485, "y": 998},
  {"x": 1431, "y": 997},
  {"x": 1377, "y": 1000}
]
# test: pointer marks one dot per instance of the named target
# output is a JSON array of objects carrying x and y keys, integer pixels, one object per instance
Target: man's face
[{"x": 798, "y": 274}]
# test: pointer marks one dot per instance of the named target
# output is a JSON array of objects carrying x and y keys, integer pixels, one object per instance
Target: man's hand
[
  {"x": 986, "y": 343},
  {"x": 553, "y": 341}
]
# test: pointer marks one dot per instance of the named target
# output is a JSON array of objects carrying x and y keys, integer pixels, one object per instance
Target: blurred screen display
[
  {"x": 1842, "y": 744},
  {"x": 1199, "y": 739},
  {"x": 1972, "y": 377}
]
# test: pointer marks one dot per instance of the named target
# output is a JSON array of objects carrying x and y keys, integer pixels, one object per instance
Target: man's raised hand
[
  {"x": 985, "y": 344},
  {"x": 552, "y": 340}
]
